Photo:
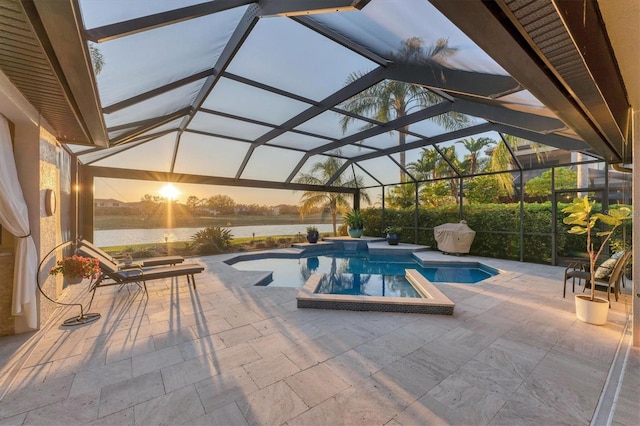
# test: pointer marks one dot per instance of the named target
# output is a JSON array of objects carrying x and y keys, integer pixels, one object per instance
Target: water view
[{"x": 123, "y": 237}]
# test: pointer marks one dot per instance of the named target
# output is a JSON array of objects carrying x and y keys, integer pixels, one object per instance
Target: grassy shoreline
[{"x": 237, "y": 244}]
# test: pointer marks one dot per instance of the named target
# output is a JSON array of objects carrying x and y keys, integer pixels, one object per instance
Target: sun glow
[{"x": 169, "y": 192}]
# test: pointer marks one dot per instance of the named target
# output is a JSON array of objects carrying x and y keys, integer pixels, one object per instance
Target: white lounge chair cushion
[{"x": 605, "y": 269}]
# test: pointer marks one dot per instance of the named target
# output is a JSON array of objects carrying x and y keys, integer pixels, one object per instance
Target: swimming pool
[{"x": 358, "y": 273}]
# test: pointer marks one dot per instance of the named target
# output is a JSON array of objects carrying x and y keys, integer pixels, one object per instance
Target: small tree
[
  {"x": 484, "y": 189},
  {"x": 436, "y": 194},
  {"x": 541, "y": 186},
  {"x": 583, "y": 219}
]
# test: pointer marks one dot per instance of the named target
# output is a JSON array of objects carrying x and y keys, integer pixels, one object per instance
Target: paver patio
[{"x": 232, "y": 353}]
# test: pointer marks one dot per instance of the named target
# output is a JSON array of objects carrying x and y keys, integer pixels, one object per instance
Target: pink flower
[{"x": 77, "y": 267}]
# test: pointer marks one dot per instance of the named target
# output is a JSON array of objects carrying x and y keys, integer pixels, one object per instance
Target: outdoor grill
[{"x": 454, "y": 238}]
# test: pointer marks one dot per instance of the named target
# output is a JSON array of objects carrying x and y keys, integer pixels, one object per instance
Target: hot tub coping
[{"x": 433, "y": 301}]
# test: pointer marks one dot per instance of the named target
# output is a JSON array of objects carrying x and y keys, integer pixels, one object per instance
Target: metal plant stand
[{"x": 83, "y": 318}]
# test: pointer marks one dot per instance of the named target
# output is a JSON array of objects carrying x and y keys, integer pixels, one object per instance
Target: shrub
[
  {"x": 497, "y": 229},
  {"x": 143, "y": 252},
  {"x": 212, "y": 239}
]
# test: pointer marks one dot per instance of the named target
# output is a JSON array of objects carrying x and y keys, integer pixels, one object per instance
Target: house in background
[{"x": 108, "y": 202}]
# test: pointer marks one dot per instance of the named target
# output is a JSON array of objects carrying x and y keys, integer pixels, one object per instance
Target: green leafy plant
[
  {"x": 312, "y": 229},
  {"x": 583, "y": 221},
  {"x": 354, "y": 219},
  {"x": 393, "y": 230},
  {"x": 212, "y": 239},
  {"x": 77, "y": 267}
]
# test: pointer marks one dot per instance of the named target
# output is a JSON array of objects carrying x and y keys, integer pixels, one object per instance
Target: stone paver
[{"x": 232, "y": 353}]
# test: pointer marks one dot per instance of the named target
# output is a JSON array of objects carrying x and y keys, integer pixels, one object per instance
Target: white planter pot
[{"x": 591, "y": 312}]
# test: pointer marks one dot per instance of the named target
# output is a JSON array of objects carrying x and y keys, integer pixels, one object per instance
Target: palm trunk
[
  {"x": 592, "y": 259},
  {"x": 334, "y": 219}
]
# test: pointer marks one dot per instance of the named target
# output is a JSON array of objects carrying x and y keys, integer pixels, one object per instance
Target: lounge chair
[
  {"x": 581, "y": 272},
  {"x": 118, "y": 274},
  {"x": 144, "y": 262}
]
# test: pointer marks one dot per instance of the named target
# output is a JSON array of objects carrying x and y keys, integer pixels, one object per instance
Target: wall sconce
[{"x": 50, "y": 202}]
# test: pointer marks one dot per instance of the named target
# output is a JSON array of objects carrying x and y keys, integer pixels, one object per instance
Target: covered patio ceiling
[{"x": 237, "y": 92}]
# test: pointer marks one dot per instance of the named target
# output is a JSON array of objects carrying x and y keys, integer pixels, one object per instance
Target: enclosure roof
[{"x": 255, "y": 93}]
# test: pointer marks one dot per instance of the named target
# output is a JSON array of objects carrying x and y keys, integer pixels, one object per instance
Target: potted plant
[
  {"x": 393, "y": 235},
  {"x": 590, "y": 308},
  {"x": 75, "y": 268},
  {"x": 312, "y": 234},
  {"x": 355, "y": 223}
]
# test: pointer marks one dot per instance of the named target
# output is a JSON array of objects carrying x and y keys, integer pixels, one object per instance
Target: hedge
[{"x": 497, "y": 229}]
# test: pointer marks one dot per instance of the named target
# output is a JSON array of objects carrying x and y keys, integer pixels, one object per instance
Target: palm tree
[
  {"x": 390, "y": 100},
  {"x": 335, "y": 202},
  {"x": 402, "y": 196},
  {"x": 433, "y": 166},
  {"x": 474, "y": 147},
  {"x": 425, "y": 167},
  {"x": 501, "y": 160},
  {"x": 449, "y": 153},
  {"x": 97, "y": 60}
]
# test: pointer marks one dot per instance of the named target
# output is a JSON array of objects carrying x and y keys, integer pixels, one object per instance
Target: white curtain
[{"x": 14, "y": 217}]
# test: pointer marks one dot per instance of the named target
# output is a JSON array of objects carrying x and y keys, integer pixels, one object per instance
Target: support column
[
  {"x": 74, "y": 199},
  {"x": 85, "y": 203},
  {"x": 460, "y": 199},
  {"x": 521, "y": 211},
  {"x": 383, "y": 219},
  {"x": 636, "y": 229},
  {"x": 416, "y": 214}
]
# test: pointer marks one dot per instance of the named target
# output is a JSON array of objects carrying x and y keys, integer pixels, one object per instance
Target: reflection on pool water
[{"x": 357, "y": 273}]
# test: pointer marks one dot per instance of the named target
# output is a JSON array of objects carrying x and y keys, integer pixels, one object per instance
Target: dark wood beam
[
  {"x": 133, "y": 26},
  {"x": 342, "y": 40},
  {"x": 366, "y": 81},
  {"x": 498, "y": 114},
  {"x": 150, "y": 124},
  {"x": 60, "y": 33},
  {"x": 456, "y": 134},
  {"x": 432, "y": 111},
  {"x": 500, "y": 37},
  {"x": 157, "y": 91},
  {"x": 240, "y": 34},
  {"x": 108, "y": 172},
  {"x": 308, "y": 7},
  {"x": 488, "y": 86},
  {"x": 610, "y": 109},
  {"x": 551, "y": 139}
]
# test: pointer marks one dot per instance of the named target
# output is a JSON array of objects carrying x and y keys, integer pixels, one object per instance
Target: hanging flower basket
[{"x": 76, "y": 268}]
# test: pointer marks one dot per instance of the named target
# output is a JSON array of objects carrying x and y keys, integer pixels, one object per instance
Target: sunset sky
[{"x": 132, "y": 190}]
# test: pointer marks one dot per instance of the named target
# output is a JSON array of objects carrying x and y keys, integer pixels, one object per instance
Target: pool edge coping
[{"x": 433, "y": 301}]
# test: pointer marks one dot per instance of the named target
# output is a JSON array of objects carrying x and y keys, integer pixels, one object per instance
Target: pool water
[{"x": 357, "y": 273}]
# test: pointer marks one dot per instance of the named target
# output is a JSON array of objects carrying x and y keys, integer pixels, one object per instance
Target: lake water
[{"x": 123, "y": 237}]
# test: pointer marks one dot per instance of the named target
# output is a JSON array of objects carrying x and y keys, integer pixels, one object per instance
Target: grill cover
[{"x": 454, "y": 237}]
